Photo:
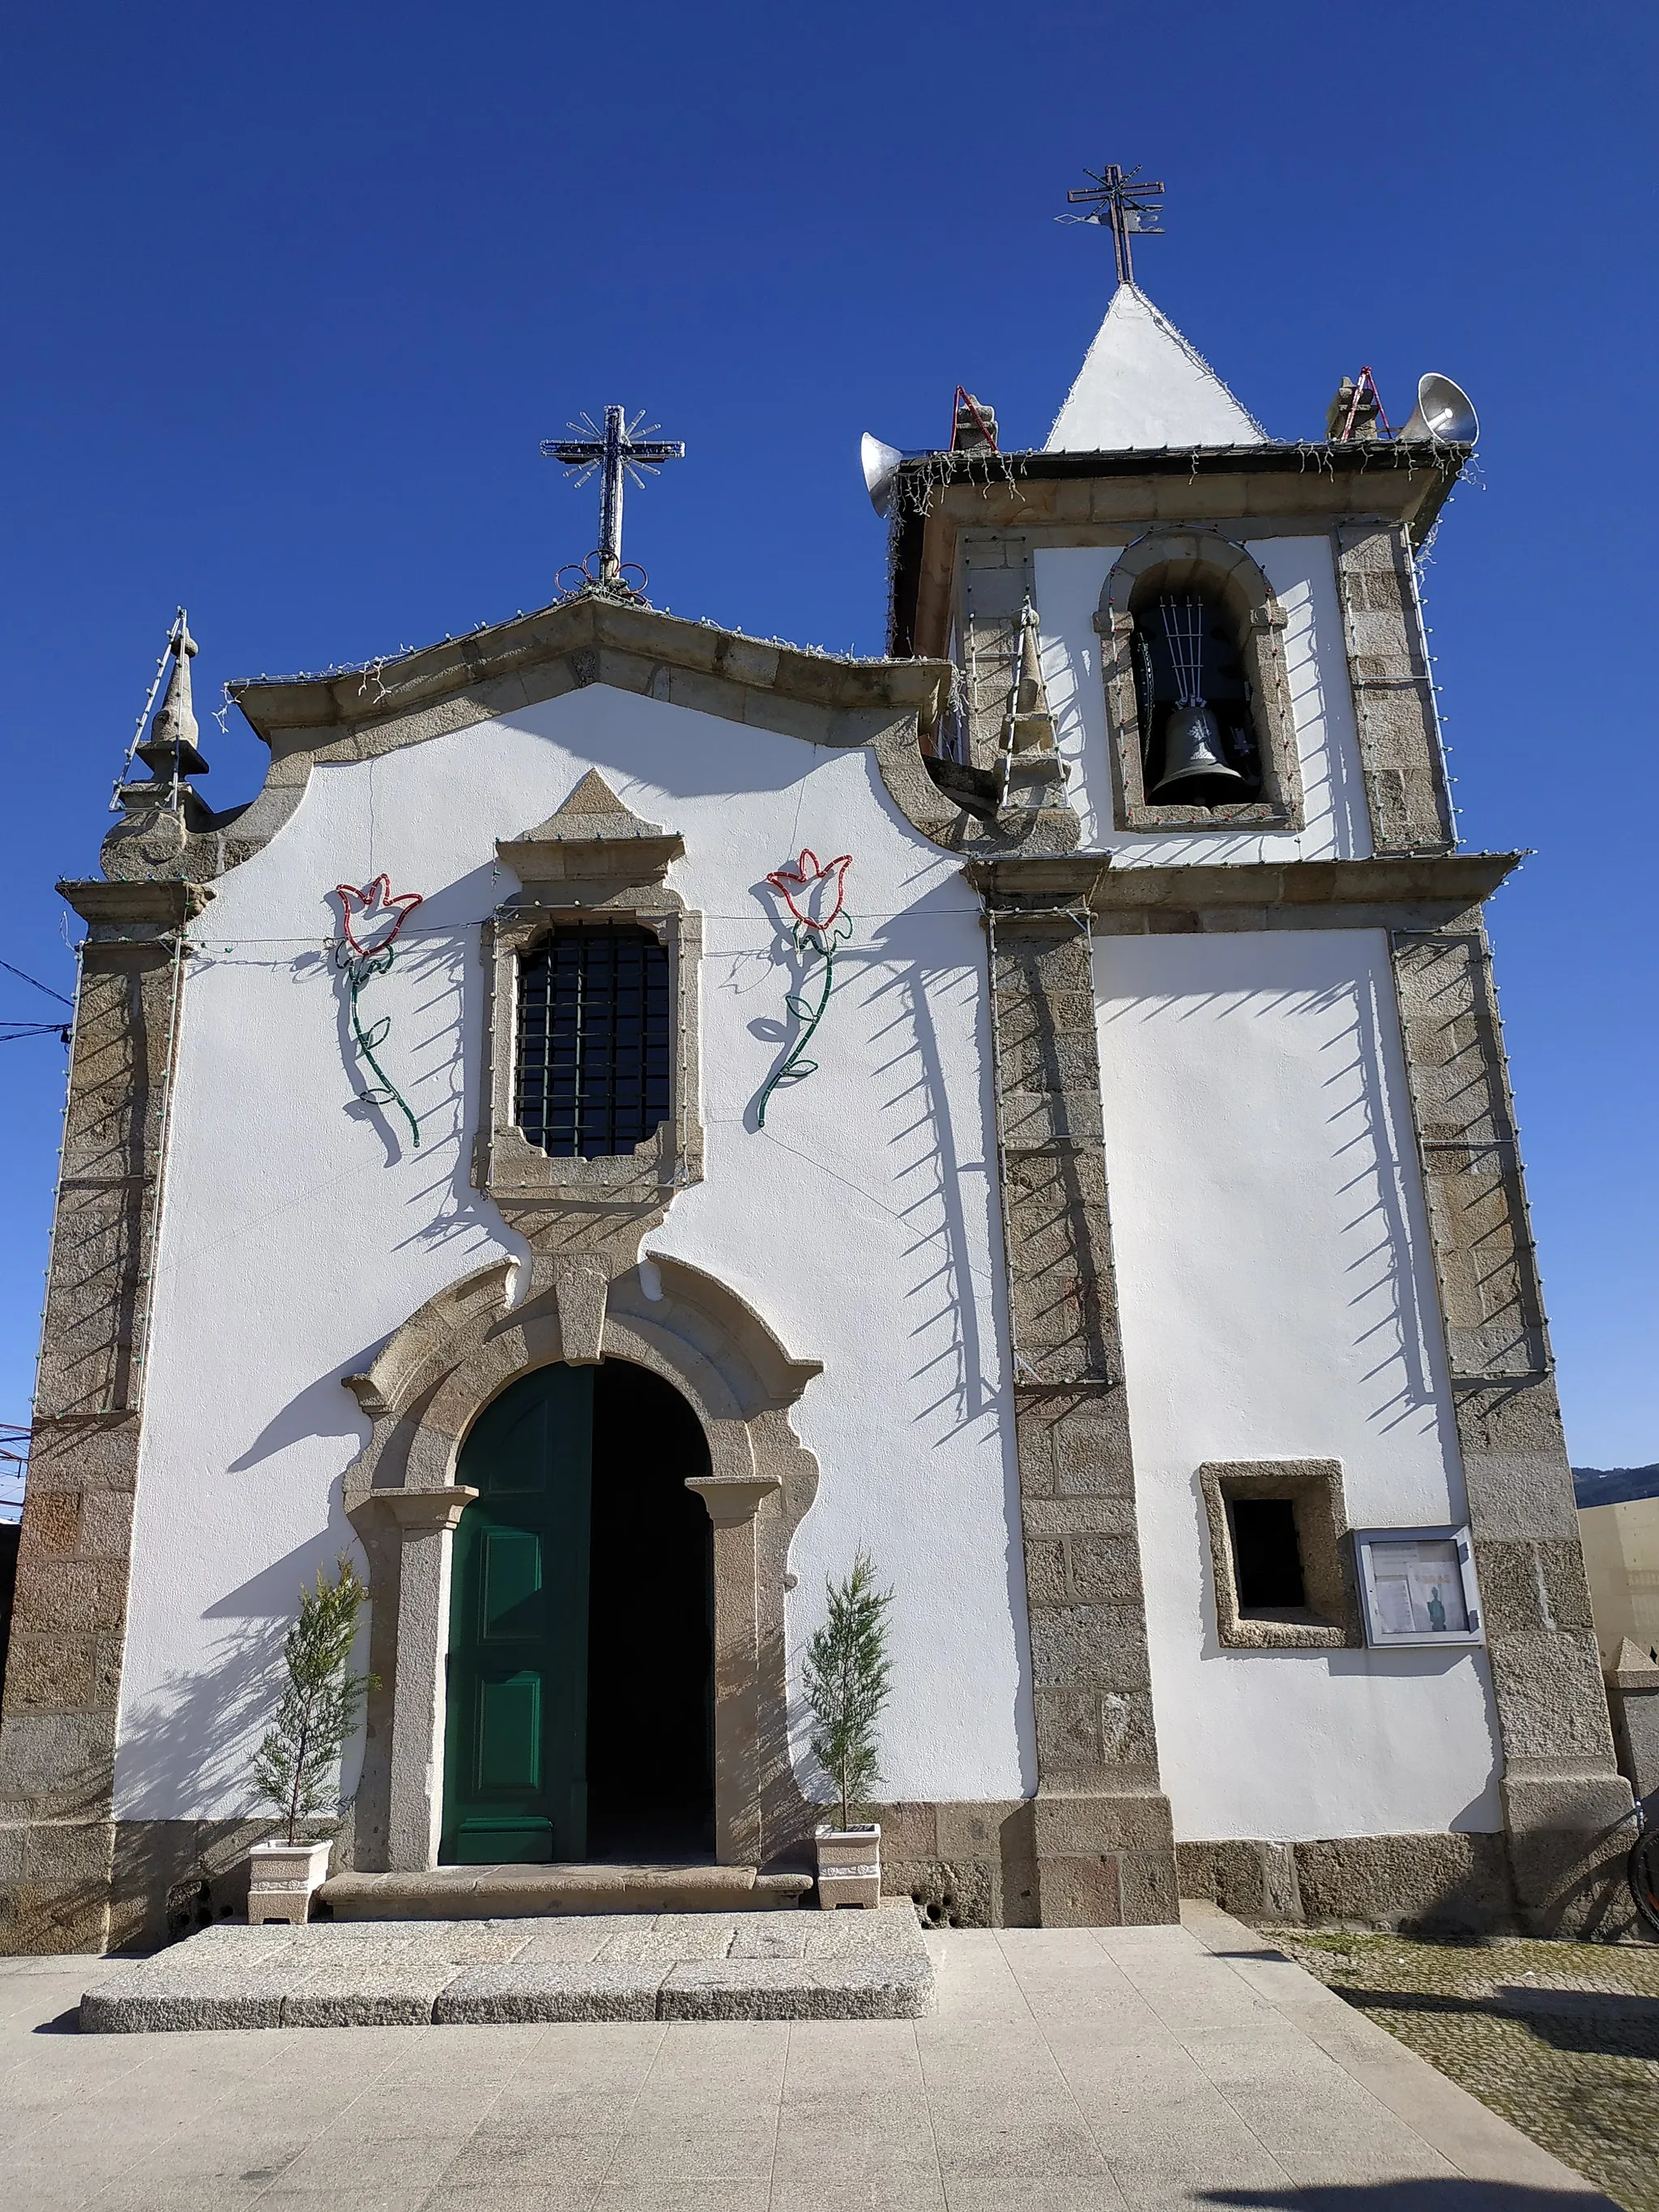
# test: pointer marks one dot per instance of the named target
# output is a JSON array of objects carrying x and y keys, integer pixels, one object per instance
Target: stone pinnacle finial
[
  {"x": 160, "y": 811},
  {"x": 169, "y": 752},
  {"x": 1030, "y": 763},
  {"x": 1030, "y": 726}
]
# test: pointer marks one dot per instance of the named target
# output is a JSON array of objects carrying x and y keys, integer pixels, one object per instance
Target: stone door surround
[{"x": 425, "y": 1389}]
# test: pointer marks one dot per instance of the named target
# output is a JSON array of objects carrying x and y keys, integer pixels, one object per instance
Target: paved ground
[
  {"x": 1119, "y": 2070},
  {"x": 1562, "y": 2039}
]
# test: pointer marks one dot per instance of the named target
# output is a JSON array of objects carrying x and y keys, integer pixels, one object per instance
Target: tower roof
[{"x": 1142, "y": 386}]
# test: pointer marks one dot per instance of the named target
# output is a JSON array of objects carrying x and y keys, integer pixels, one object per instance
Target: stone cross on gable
[{"x": 618, "y": 451}]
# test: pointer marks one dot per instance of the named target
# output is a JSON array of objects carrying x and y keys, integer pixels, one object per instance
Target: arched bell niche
[{"x": 1198, "y": 699}]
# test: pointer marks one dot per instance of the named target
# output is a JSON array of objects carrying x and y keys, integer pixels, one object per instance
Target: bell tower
[{"x": 1214, "y": 638}]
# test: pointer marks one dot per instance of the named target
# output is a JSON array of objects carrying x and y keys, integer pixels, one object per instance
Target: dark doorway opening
[{"x": 650, "y": 1641}]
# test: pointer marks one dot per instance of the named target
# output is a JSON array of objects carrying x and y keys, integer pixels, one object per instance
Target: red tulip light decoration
[
  {"x": 370, "y": 920},
  {"x": 815, "y": 897},
  {"x": 373, "y": 916}
]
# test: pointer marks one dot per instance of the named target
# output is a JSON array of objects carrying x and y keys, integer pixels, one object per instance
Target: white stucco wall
[
  {"x": 1142, "y": 385},
  {"x": 301, "y": 1228},
  {"x": 1069, "y": 580},
  {"x": 1279, "y": 1301}
]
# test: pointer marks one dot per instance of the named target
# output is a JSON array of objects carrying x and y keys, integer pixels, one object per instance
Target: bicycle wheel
[{"x": 1644, "y": 1878}]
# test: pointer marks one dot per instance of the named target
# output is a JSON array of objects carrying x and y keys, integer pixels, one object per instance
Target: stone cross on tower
[
  {"x": 1123, "y": 206},
  {"x": 618, "y": 451}
]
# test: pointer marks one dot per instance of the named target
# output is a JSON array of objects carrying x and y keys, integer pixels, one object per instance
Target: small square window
[{"x": 1279, "y": 1557}]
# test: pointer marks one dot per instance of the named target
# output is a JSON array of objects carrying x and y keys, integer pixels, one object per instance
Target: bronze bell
[{"x": 1192, "y": 753}]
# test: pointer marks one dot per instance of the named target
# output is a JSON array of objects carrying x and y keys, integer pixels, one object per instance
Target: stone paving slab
[
  {"x": 1086, "y": 2070},
  {"x": 636, "y": 1967}
]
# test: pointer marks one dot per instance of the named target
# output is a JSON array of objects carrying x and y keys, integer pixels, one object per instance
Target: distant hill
[{"x": 1614, "y": 1486}]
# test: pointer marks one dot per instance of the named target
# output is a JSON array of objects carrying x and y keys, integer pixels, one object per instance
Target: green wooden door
[{"x": 515, "y": 1752}]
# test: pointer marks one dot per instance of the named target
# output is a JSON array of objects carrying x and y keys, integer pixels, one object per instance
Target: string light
[{"x": 144, "y": 711}]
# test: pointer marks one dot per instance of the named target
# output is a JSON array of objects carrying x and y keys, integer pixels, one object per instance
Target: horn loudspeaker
[{"x": 1444, "y": 413}]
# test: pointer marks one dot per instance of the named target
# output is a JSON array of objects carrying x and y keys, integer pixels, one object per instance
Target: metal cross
[
  {"x": 619, "y": 452},
  {"x": 1122, "y": 205}
]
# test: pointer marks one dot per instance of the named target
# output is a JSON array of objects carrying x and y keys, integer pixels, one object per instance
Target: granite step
[
  {"x": 508, "y": 1892},
  {"x": 587, "y": 1966}
]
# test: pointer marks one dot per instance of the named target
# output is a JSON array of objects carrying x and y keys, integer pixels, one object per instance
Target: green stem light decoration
[
  {"x": 814, "y": 896},
  {"x": 372, "y": 919}
]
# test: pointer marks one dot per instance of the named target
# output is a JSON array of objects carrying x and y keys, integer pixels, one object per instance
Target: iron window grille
[{"x": 595, "y": 1041}]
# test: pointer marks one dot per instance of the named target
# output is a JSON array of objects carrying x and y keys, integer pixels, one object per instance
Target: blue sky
[{"x": 294, "y": 293}]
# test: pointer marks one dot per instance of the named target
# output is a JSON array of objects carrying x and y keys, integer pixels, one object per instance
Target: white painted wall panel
[
  {"x": 1069, "y": 580},
  {"x": 1279, "y": 1301},
  {"x": 301, "y": 1228}
]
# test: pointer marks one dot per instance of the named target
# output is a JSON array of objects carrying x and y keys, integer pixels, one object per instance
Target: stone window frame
[
  {"x": 507, "y": 1166},
  {"x": 1314, "y": 1487},
  {"x": 1180, "y": 560}
]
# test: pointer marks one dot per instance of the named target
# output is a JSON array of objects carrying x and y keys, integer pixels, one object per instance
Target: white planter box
[
  {"x": 282, "y": 1878},
  {"x": 849, "y": 1866}
]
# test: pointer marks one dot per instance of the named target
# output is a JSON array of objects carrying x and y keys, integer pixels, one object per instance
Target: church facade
[{"x": 632, "y": 1116}]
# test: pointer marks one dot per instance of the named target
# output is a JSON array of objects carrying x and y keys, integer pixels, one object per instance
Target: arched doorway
[{"x": 580, "y": 1715}]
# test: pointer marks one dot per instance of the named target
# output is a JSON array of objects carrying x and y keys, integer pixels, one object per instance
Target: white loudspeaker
[
  {"x": 881, "y": 465},
  {"x": 1443, "y": 412}
]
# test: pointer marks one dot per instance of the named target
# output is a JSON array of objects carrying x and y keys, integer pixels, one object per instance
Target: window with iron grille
[{"x": 595, "y": 1041}]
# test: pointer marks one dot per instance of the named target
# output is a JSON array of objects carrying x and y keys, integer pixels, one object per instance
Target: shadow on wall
[
  {"x": 1328, "y": 754},
  {"x": 1402, "y": 1237},
  {"x": 323, "y": 1408},
  {"x": 1451, "y": 2194},
  {"x": 893, "y": 991},
  {"x": 1395, "y": 1323},
  {"x": 274, "y": 1592},
  {"x": 919, "y": 1187},
  {"x": 189, "y": 1741}
]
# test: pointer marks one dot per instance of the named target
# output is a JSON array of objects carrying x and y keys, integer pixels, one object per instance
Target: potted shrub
[
  {"x": 846, "y": 1683},
  {"x": 294, "y": 1768}
]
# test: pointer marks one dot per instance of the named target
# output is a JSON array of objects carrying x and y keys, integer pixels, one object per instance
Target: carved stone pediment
[{"x": 591, "y": 835}]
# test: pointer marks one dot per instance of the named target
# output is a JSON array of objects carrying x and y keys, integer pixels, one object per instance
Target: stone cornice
[
  {"x": 111, "y": 910},
  {"x": 654, "y": 649},
  {"x": 1392, "y": 892},
  {"x": 1078, "y": 497},
  {"x": 359, "y": 714}
]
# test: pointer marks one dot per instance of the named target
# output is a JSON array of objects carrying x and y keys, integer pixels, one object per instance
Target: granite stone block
[
  {"x": 366, "y": 1993},
  {"x": 552, "y": 1989},
  {"x": 787, "y": 1988},
  {"x": 142, "y": 2002}
]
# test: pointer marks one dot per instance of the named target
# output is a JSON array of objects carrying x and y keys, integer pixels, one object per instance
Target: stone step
[
  {"x": 593, "y": 1966},
  {"x": 518, "y": 1892}
]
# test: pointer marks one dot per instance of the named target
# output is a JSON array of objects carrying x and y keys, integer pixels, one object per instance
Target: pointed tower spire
[{"x": 1142, "y": 386}]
